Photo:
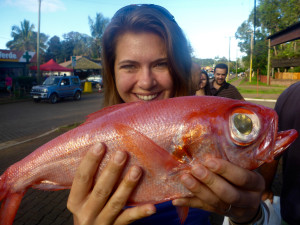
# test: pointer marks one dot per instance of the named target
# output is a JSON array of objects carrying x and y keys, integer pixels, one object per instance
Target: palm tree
[
  {"x": 23, "y": 37},
  {"x": 97, "y": 29}
]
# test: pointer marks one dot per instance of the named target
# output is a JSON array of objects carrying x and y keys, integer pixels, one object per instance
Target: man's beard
[{"x": 220, "y": 82}]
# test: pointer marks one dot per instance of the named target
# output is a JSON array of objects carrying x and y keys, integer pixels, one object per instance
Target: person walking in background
[
  {"x": 219, "y": 86},
  {"x": 8, "y": 84},
  {"x": 288, "y": 110},
  {"x": 203, "y": 86}
]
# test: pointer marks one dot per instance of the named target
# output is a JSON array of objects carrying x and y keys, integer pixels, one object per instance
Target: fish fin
[
  {"x": 183, "y": 212},
  {"x": 106, "y": 110},
  {"x": 10, "y": 207},
  {"x": 151, "y": 154}
]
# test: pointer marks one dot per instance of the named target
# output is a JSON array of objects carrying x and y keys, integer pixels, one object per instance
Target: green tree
[
  {"x": 97, "y": 28},
  {"x": 23, "y": 37},
  {"x": 271, "y": 16},
  {"x": 54, "y": 50}
]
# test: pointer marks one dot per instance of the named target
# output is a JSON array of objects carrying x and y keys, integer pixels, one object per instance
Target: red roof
[{"x": 51, "y": 65}]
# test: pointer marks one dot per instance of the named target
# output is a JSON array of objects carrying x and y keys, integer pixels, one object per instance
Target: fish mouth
[
  {"x": 147, "y": 97},
  {"x": 283, "y": 140}
]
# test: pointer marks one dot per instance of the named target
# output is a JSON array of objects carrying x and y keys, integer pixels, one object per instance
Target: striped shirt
[{"x": 226, "y": 90}]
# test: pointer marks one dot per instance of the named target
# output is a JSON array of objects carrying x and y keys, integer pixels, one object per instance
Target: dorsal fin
[{"x": 109, "y": 109}]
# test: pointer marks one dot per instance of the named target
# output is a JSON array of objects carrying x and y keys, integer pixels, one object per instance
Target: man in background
[{"x": 219, "y": 86}]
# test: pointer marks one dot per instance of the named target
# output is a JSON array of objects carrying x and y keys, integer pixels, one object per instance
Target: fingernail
[
  {"x": 97, "y": 149},
  {"x": 150, "y": 210},
  {"x": 135, "y": 173},
  {"x": 211, "y": 164},
  {"x": 188, "y": 181},
  {"x": 119, "y": 157},
  {"x": 198, "y": 171}
]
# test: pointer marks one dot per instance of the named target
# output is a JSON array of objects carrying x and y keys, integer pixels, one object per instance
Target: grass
[
  {"x": 68, "y": 127},
  {"x": 253, "y": 87},
  {"x": 260, "y": 91}
]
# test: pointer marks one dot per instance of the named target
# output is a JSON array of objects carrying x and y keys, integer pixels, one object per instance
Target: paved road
[{"x": 26, "y": 120}]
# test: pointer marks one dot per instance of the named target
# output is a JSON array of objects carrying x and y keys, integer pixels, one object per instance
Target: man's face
[{"x": 220, "y": 76}]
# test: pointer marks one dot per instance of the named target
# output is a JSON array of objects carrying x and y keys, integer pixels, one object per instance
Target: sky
[{"x": 209, "y": 25}]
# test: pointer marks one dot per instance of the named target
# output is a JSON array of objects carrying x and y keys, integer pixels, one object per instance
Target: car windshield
[{"x": 51, "y": 81}]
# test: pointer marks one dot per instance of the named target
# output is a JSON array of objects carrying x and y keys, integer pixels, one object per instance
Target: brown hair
[{"x": 149, "y": 18}]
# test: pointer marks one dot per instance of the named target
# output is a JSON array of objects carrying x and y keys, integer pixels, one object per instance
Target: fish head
[
  {"x": 252, "y": 135},
  {"x": 240, "y": 132}
]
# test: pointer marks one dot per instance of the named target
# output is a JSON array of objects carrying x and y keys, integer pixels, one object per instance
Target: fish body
[{"x": 163, "y": 137}]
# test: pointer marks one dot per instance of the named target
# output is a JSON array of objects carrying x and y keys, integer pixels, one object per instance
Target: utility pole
[
  {"x": 227, "y": 78},
  {"x": 269, "y": 62},
  {"x": 38, "y": 46},
  {"x": 251, "y": 53}
]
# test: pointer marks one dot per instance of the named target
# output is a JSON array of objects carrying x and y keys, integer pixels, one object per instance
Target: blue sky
[{"x": 208, "y": 24}]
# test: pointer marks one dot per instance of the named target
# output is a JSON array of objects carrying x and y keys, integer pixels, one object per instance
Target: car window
[
  {"x": 65, "y": 81},
  {"x": 75, "y": 81},
  {"x": 51, "y": 81}
]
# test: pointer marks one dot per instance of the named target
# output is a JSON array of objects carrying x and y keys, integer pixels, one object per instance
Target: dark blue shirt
[{"x": 166, "y": 214}]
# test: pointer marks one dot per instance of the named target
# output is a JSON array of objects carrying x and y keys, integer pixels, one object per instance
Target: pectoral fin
[{"x": 146, "y": 150}]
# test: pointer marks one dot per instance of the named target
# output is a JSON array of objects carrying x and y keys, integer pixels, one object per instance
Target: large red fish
[{"x": 163, "y": 137}]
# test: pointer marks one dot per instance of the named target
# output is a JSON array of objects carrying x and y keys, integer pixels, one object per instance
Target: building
[{"x": 15, "y": 64}]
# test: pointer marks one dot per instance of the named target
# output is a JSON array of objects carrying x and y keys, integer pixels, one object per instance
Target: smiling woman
[{"x": 146, "y": 58}]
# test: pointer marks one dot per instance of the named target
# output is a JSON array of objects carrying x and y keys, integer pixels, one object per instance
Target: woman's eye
[
  {"x": 161, "y": 65},
  {"x": 128, "y": 67}
]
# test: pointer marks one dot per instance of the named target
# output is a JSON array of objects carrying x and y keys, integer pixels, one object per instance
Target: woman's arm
[{"x": 93, "y": 201}]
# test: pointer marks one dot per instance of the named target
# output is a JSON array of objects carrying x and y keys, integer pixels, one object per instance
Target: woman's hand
[
  {"x": 223, "y": 188},
  {"x": 99, "y": 202}
]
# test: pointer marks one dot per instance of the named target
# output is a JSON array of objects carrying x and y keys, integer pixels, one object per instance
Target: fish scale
[{"x": 165, "y": 138}]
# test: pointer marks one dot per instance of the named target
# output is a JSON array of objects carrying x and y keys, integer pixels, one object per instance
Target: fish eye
[{"x": 244, "y": 127}]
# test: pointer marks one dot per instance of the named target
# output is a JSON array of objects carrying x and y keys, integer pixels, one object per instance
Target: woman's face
[
  {"x": 141, "y": 68},
  {"x": 203, "y": 81}
]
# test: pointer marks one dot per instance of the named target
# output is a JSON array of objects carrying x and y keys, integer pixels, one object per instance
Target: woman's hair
[
  {"x": 207, "y": 86},
  {"x": 146, "y": 18}
]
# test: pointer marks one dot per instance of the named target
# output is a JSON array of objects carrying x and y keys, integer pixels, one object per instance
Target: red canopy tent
[{"x": 51, "y": 65}]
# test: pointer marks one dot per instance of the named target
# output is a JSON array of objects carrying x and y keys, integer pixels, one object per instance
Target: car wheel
[
  {"x": 77, "y": 95},
  {"x": 53, "y": 98}
]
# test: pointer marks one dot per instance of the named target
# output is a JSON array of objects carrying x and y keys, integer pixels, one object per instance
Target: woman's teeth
[{"x": 146, "y": 97}]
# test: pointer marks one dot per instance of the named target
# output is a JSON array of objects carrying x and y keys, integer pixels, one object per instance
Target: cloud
[{"x": 32, "y": 5}]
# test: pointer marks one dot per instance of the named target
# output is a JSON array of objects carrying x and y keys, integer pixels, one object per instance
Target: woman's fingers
[
  {"x": 84, "y": 176},
  {"x": 106, "y": 182},
  {"x": 117, "y": 202},
  {"x": 132, "y": 214},
  {"x": 249, "y": 180},
  {"x": 204, "y": 198},
  {"x": 221, "y": 187}
]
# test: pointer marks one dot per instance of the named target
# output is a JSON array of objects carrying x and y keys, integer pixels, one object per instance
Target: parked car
[
  {"x": 96, "y": 80},
  {"x": 211, "y": 75},
  {"x": 242, "y": 74},
  {"x": 57, "y": 87}
]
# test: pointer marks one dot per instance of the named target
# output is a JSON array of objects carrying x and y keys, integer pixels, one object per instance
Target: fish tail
[
  {"x": 183, "y": 212},
  {"x": 10, "y": 202},
  {"x": 10, "y": 207}
]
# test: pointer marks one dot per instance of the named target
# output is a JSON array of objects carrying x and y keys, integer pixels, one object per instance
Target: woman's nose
[{"x": 146, "y": 79}]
